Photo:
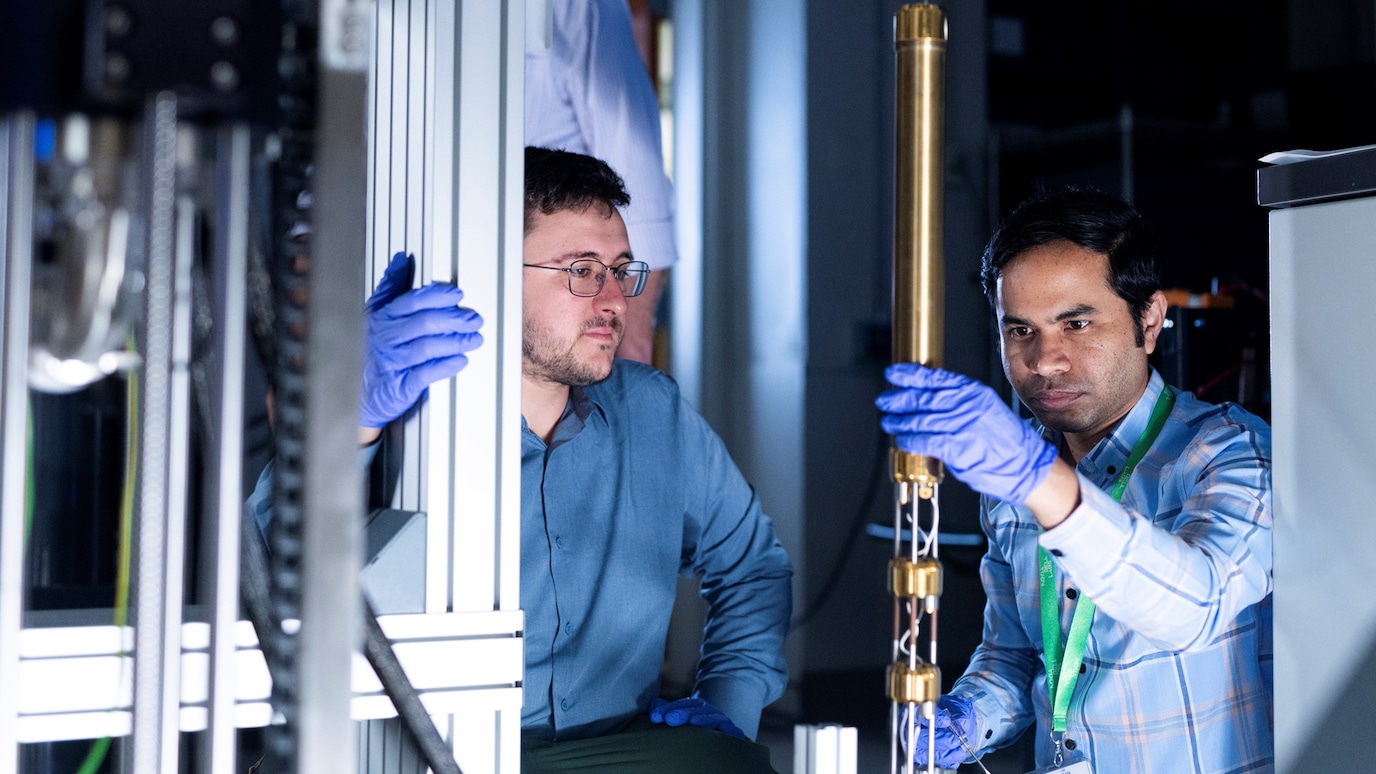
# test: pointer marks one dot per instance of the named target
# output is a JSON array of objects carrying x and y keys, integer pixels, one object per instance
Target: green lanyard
[{"x": 1063, "y": 668}]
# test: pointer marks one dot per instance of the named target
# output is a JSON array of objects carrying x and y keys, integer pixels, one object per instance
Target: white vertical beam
[
  {"x": 686, "y": 288},
  {"x": 776, "y": 153},
  {"x": 511, "y": 195},
  {"x": 478, "y": 271},
  {"x": 16, "y": 246},
  {"x": 225, "y": 460},
  {"x": 442, "y": 266}
]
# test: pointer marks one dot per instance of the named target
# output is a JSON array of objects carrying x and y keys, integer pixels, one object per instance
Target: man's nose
[
  {"x": 1049, "y": 355},
  {"x": 609, "y": 298}
]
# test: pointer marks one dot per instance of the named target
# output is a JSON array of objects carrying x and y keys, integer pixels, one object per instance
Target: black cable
[{"x": 398, "y": 688}]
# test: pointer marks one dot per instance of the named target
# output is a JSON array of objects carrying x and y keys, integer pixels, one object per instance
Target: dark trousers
[{"x": 651, "y": 748}]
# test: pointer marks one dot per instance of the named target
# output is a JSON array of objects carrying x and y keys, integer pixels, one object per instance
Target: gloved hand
[
  {"x": 964, "y": 424},
  {"x": 693, "y": 712},
  {"x": 953, "y": 712},
  {"x": 415, "y": 338}
]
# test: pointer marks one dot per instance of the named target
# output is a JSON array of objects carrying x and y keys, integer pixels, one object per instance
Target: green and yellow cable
[{"x": 101, "y": 747}]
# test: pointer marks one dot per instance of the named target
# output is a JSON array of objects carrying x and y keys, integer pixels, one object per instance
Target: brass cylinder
[
  {"x": 919, "y": 276},
  {"x": 920, "y": 579},
  {"x": 909, "y": 684},
  {"x": 919, "y": 299}
]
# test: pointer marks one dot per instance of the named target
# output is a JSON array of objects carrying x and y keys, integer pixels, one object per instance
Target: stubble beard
[{"x": 546, "y": 358}]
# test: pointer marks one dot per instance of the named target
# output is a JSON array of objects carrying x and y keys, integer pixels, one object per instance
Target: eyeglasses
[{"x": 587, "y": 276}]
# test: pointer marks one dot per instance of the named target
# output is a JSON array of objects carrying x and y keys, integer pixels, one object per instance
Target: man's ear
[{"x": 1153, "y": 318}]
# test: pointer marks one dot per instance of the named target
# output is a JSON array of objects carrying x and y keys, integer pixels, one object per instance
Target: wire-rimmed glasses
[{"x": 587, "y": 276}]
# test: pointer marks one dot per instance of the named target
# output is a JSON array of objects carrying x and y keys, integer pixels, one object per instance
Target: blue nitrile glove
[
  {"x": 953, "y": 712},
  {"x": 693, "y": 712},
  {"x": 415, "y": 338},
  {"x": 964, "y": 424}
]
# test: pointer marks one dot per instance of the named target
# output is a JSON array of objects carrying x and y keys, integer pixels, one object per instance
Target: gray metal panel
[
  {"x": 1323, "y": 266},
  {"x": 394, "y": 568}
]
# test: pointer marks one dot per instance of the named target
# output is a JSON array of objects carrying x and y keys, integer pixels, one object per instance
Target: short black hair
[
  {"x": 558, "y": 180},
  {"x": 1093, "y": 220}
]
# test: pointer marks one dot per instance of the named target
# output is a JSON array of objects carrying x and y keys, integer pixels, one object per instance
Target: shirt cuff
[{"x": 741, "y": 701}]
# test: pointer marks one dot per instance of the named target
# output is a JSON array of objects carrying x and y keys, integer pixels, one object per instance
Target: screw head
[
  {"x": 225, "y": 31},
  {"x": 224, "y": 76},
  {"x": 118, "y": 22},
  {"x": 117, "y": 67}
]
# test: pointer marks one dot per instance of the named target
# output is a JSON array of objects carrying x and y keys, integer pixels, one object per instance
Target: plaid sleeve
[{"x": 1180, "y": 577}]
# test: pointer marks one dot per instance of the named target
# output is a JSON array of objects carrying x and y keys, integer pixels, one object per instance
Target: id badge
[{"x": 1071, "y": 763}]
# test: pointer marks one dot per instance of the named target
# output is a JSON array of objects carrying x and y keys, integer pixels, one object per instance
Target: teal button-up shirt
[{"x": 633, "y": 490}]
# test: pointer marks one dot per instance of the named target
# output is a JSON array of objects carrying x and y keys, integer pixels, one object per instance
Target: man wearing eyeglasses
[{"x": 623, "y": 488}]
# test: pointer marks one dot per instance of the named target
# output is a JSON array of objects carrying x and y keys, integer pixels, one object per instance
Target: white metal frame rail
[
  {"x": 75, "y": 682},
  {"x": 446, "y": 184}
]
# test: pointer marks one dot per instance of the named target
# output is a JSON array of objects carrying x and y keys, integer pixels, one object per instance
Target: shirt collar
[
  {"x": 1106, "y": 459},
  {"x": 581, "y": 407}
]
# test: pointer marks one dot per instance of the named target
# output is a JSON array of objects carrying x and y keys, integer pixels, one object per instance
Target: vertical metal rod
[
  {"x": 331, "y": 600},
  {"x": 157, "y": 647},
  {"x": 16, "y": 246},
  {"x": 225, "y": 457}
]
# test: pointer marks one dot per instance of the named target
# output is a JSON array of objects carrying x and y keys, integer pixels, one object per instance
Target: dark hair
[
  {"x": 559, "y": 180},
  {"x": 1093, "y": 220}
]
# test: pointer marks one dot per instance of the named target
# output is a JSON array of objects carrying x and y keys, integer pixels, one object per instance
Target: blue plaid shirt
[{"x": 1177, "y": 670}]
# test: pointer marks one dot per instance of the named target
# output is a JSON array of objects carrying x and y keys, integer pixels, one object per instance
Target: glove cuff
[{"x": 1037, "y": 472}]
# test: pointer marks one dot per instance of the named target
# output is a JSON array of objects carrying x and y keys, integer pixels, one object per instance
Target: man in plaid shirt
[{"x": 1143, "y": 512}]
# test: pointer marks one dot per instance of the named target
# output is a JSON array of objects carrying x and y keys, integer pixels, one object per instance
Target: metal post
[
  {"x": 331, "y": 605},
  {"x": 225, "y": 457},
  {"x": 16, "y": 242},
  {"x": 157, "y": 646}
]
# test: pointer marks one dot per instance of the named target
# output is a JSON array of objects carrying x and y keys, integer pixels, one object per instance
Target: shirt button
[
  {"x": 1070, "y": 744},
  {"x": 1056, "y": 552},
  {"x": 559, "y": 541},
  {"x": 564, "y": 704},
  {"x": 1071, "y": 593},
  {"x": 568, "y": 627}
]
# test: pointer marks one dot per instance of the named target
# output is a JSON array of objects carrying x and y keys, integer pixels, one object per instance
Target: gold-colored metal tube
[
  {"x": 919, "y": 299},
  {"x": 919, "y": 276}
]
